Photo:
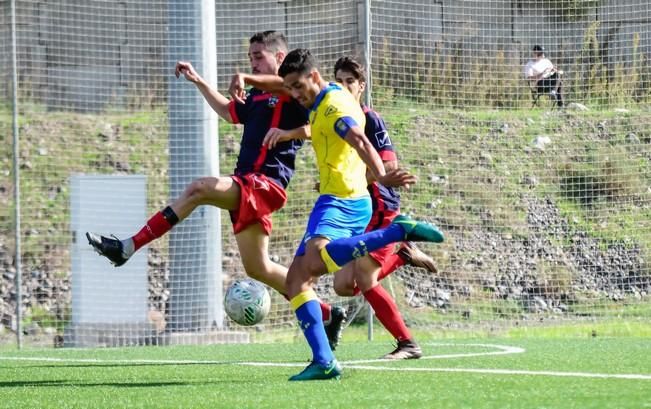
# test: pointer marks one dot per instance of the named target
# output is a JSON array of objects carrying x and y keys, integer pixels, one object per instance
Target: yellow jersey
[{"x": 342, "y": 173}]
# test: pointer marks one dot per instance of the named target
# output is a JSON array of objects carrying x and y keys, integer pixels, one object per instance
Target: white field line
[
  {"x": 507, "y": 372},
  {"x": 502, "y": 350}
]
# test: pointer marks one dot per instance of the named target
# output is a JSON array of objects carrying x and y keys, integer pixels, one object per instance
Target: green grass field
[{"x": 569, "y": 372}]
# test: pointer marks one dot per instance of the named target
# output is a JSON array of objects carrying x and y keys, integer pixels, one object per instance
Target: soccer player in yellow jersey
[{"x": 335, "y": 231}]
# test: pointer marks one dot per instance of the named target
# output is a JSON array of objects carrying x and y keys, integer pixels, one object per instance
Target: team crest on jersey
[
  {"x": 382, "y": 139},
  {"x": 330, "y": 110},
  {"x": 272, "y": 101}
]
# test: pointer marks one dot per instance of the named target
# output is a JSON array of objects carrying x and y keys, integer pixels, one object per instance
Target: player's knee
[
  {"x": 202, "y": 188},
  {"x": 256, "y": 269},
  {"x": 315, "y": 266},
  {"x": 365, "y": 281},
  {"x": 196, "y": 190},
  {"x": 343, "y": 288}
]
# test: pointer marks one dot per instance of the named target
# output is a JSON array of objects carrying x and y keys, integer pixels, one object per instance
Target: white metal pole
[
  {"x": 195, "y": 247},
  {"x": 16, "y": 159},
  {"x": 367, "y": 51},
  {"x": 367, "y": 100}
]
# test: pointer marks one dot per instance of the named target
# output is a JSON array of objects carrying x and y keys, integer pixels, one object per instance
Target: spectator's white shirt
[{"x": 537, "y": 67}]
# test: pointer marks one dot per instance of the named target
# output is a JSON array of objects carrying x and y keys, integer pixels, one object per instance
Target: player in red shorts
[
  {"x": 364, "y": 274},
  {"x": 257, "y": 187}
]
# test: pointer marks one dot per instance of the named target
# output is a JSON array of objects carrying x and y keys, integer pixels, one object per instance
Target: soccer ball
[{"x": 247, "y": 302}]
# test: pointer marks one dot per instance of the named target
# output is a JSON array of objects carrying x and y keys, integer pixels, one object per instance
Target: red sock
[
  {"x": 325, "y": 308},
  {"x": 387, "y": 312},
  {"x": 155, "y": 227},
  {"x": 391, "y": 264}
]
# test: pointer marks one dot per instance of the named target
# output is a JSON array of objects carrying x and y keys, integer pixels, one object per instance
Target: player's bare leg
[
  {"x": 221, "y": 192},
  {"x": 253, "y": 244},
  {"x": 344, "y": 281}
]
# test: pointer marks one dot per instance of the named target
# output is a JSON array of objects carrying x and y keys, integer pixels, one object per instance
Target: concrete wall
[
  {"x": 84, "y": 55},
  {"x": 326, "y": 30},
  {"x": 5, "y": 49},
  {"x": 87, "y": 54}
]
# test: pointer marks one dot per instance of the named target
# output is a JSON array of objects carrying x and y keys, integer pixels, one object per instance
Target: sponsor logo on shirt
[{"x": 382, "y": 139}]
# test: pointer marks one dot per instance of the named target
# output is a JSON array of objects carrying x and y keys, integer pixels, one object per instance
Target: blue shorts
[{"x": 335, "y": 218}]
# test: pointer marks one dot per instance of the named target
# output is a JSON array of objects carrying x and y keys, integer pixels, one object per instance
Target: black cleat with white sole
[
  {"x": 111, "y": 248},
  {"x": 335, "y": 327}
]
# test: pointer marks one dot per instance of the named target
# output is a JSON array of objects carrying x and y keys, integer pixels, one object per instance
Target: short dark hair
[
  {"x": 351, "y": 65},
  {"x": 273, "y": 40},
  {"x": 538, "y": 49},
  {"x": 299, "y": 60}
]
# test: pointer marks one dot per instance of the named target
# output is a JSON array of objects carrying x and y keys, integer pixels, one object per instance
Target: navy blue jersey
[
  {"x": 260, "y": 112},
  {"x": 383, "y": 198}
]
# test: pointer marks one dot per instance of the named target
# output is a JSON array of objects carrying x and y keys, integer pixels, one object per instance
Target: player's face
[
  {"x": 303, "y": 87},
  {"x": 262, "y": 60},
  {"x": 352, "y": 84}
]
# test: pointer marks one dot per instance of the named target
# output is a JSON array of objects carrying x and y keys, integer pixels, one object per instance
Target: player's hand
[
  {"x": 274, "y": 136},
  {"x": 188, "y": 71},
  {"x": 317, "y": 186},
  {"x": 397, "y": 178},
  {"x": 236, "y": 88}
]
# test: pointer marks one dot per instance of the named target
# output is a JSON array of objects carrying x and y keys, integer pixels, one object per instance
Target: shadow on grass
[
  {"x": 68, "y": 382},
  {"x": 117, "y": 365}
]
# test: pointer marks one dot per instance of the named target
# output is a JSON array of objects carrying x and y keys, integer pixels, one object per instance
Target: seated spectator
[{"x": 543, "y": 76}]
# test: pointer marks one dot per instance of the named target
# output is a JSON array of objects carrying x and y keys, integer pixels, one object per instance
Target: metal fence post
[
  {"x": 366, "y": 39},
  {"x": 16, "y": 159},
  {"x": 195, "y": 244}
]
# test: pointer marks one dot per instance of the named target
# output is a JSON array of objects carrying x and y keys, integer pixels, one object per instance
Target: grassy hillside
[{"x": 554, "y": 205}]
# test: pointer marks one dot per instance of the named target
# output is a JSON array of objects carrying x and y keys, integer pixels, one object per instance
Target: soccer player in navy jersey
[
  {"x": 257, "y": 187},
  {"x": 363, "y": 275}
]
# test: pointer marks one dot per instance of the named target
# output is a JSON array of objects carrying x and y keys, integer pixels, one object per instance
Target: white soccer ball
[{"x": 247, "y": 302}]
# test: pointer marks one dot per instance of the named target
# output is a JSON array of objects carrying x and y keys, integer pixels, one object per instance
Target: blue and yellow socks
[
  {"x": 339, "y": 252},
  {"x": 308, "y": 312}
]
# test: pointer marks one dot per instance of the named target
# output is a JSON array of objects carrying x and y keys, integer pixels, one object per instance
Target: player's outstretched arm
[
  {"x": 265, "y": 82},
  {"x": 217, "y": 101},
  {"x": 389, "y": 165},
  {"x": 393, "y": 178},
  {"x": 275, "y": 135}
]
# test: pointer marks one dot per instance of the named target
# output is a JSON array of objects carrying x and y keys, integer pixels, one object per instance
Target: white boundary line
[
  {"x": 506, "y": 372},
  {"x": 502, "y": 350}
]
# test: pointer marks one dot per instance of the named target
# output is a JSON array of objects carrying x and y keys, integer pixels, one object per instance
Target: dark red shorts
[
  {"x": 260, "y": 196},
  {"x": 379, "y": 220}
]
